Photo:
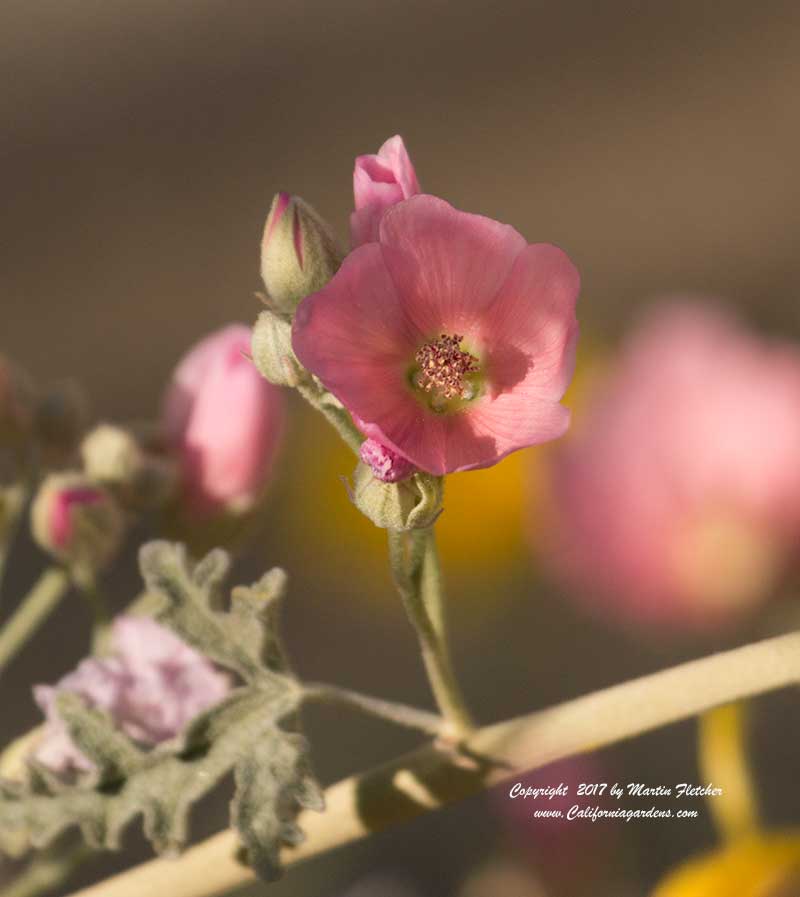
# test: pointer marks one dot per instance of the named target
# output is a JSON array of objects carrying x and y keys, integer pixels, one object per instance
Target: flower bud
[
  {"x": 413, "y": 503},
  {"x": 222, "y": 422},
  {"x": 299, "y": 254},
  {"x": 112, "y": 456},
  {"x": 379, "y": 182},
  {"x": 386, "y": 465},
  {"x": 271, "y": 345},
  {"x": 76, "y": 520}
]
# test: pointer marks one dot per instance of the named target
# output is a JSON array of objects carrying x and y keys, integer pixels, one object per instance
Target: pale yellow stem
[{"x": 430, "y": 777}]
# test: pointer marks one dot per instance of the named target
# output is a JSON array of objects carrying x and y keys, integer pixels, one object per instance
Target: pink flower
[
  {"x": 380, "y": 182},
  {"x": 678, "y": 499},
  {"x": 223, "y": 421},
  {"x": 451, "y": 340},
  {"x": 152, "y": 685}
]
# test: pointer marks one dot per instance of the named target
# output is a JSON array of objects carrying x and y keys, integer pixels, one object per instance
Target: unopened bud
[
  {"x": 413, "y": 503},
  {"x": 299, "y": 253},
  {"x": 76, "y": 520},
  {"x": 112, "y": 456},
  {"x": 273, "y": 355}
]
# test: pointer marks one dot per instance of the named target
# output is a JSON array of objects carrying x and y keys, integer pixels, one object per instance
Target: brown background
[{"x": 142, "y": 142}]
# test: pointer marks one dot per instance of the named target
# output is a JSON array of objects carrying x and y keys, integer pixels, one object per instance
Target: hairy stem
[
  {"x": 32, "y": 611},
  {"x": 415, "y": 567},
  {"x": 722, "y": 757},
  {"x": 335, "y": 414},
  {"x": 430, "y": 778},
  {"x": 401, "y": 714},
  {"x": 16, "y": 501}
]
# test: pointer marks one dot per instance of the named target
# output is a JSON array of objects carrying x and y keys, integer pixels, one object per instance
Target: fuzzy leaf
[{"x": 251, "y": 733}]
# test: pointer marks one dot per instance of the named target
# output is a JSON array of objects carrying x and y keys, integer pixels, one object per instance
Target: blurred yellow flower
[{"x": 765, "y": 865}]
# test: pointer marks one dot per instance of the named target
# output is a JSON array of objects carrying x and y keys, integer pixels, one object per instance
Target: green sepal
[
  {"x": 414, "y": 503},
  {"x": 271, "y": 345}
]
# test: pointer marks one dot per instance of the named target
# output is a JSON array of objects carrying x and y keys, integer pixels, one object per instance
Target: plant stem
[
  {"x": 17, "y": 498},
  {"x": 722, "y": 757},
  {"x": 415, "y": 567},
  {"x": 430, "y": 778},
  {"x": 333, "y": 411},
  {"x": 101, "y": 618},
  {"x": 401, "y": 714},
  {"x": 33, "y": 610},
  {"x": 48, "y": 870}
]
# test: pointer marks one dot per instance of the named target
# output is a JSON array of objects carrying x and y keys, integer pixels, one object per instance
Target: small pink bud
[
  {"x": 76, "y": 520},
  {"x": 386, "y": 465},
  {"x": 223, "y": 421},
  {"x": 299, "y": 254},
  {"x": 379, "y": 182}
]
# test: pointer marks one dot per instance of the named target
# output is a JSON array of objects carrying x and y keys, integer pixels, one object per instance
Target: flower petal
[
  {"x": 448, "y": 265},
  {"x": 479, "y": 437},
  {"x": 533, "y": 320},
  {"x": 355, "y": 335}
]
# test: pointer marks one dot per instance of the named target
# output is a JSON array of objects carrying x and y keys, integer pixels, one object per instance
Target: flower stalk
[
  {"x": 33, "y": 610},
  {"x": 415, "y": 567},
  {"x": 400, "y": 714},
  {"x": 333, "y": 411},
  {"x": 430, "y": 778}
]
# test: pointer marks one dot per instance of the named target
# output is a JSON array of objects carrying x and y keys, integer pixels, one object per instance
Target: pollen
[{"x": 443, "y": 365}]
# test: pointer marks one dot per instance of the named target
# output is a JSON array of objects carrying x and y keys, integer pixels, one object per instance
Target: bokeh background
[{"x": 142, "y": 142}]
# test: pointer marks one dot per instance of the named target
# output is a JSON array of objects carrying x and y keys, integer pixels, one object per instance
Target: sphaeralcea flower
[
  {"x": 450, "y": 339},
  {"x": 152, "y": 685},
  {"x": 223, "y": 422},
  {"x": 379, "y": 182},
  {"x": 677, "y": 499}
]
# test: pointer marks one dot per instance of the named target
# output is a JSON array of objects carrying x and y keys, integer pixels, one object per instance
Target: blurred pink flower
[
  {"x": 152, "y": 685},
  {"x": 223, "y": 420},
  {"x": 379, "y": 182},
  {"x": 677, "y": 499},
  {"x": 451, "y": 340}
]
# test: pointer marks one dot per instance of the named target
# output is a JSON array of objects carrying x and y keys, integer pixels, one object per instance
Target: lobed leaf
[{"x": 252, "y": 733}]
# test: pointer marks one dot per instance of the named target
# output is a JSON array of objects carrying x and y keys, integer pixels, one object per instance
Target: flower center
[{"x": 443, "y": 366}]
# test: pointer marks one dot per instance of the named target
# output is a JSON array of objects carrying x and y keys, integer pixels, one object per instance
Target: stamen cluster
[{"x": 443, "y": 364}]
